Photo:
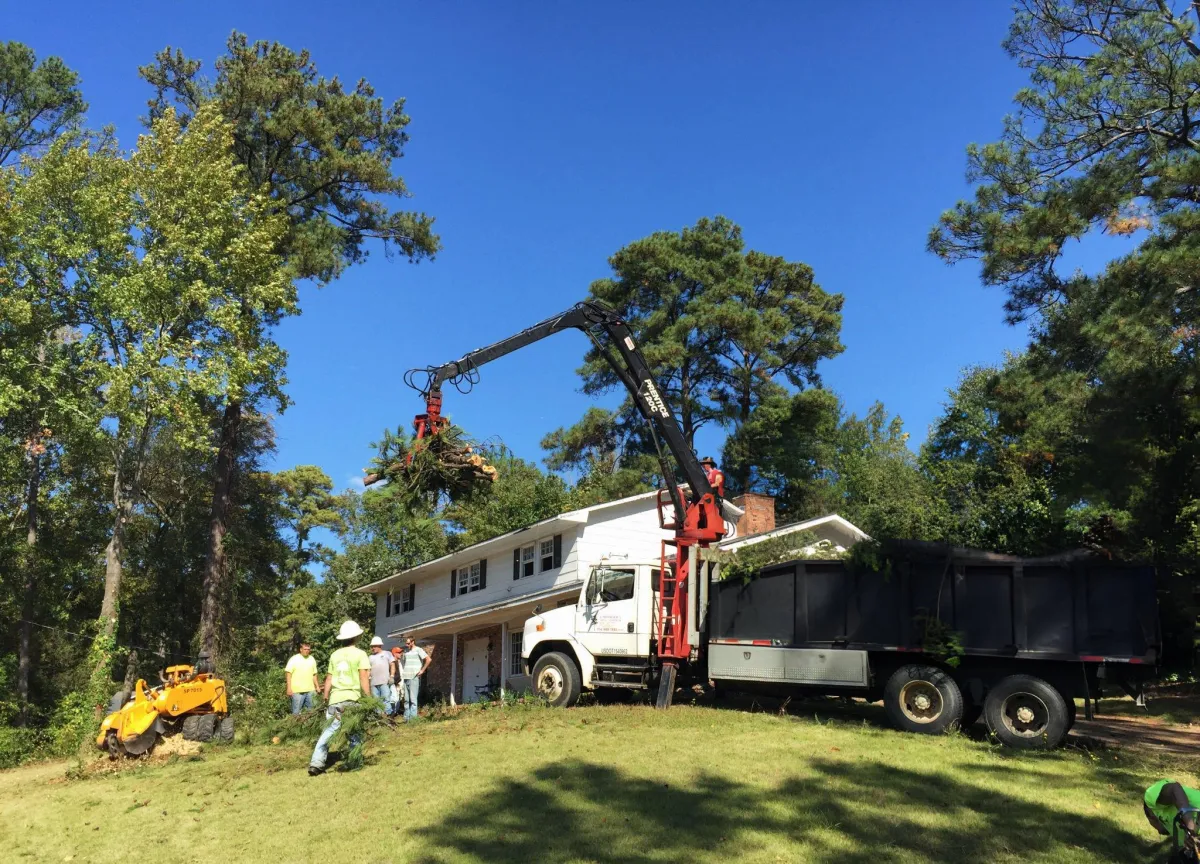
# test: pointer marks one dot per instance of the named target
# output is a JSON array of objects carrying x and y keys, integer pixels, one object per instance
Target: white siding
[
  {"x": 433, "y": 598},
  {"x": 630, "y": 530}
]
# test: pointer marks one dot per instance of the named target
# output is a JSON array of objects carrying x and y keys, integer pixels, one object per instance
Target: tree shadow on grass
[{"x": 843, "y": 812}]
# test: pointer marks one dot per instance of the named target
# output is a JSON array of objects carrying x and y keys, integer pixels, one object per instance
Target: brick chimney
[{"x": 759, "y": 513}]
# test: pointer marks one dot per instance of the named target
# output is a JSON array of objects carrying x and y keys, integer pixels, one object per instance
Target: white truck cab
[{"x": 602, "y": 640}]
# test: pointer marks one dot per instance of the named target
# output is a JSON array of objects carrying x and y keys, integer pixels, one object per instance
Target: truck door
[{"x": 607, "y": 619}]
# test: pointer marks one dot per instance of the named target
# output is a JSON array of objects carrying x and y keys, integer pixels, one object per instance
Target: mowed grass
[
  {"x": 602, "y": 784},
  {"x": 1181, "y": 710}
]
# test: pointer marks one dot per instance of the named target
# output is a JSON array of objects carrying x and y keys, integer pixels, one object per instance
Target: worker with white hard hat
[
  {"x": 383, "y": 667},
  {"x": 347, "y": 681}
]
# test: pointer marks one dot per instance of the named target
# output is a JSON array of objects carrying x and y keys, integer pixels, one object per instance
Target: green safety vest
[{"x": 1166, "y": 812}]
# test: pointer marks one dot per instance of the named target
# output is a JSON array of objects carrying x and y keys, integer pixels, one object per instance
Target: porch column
[
  {"x": 503, "y": 656},
  {"x": 453, "y": 667}
]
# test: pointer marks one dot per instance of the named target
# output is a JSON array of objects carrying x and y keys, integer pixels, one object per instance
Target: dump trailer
[{"x": 940, "y": 634}]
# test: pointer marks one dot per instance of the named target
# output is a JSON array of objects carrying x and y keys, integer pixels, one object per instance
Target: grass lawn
[
  {"x": 602, "y": 784},
  {"x": 1183, "y": 710}
]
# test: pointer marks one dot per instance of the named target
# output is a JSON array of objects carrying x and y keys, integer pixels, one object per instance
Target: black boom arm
[{"x": 630, "y": 366}]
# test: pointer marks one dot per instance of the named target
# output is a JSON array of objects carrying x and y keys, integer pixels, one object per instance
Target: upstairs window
[
  {"x": 527, "y": 559},
  {"x": 546, "y": 553},
  {"x": 468, "y": 578},
  {"x": 408, "y": 597}
]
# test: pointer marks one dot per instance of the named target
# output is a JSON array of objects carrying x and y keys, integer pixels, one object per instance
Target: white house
[{"x": 469, "y": 608}]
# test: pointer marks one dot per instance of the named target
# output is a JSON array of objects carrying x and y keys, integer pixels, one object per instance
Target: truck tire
[
  {"x": 224, "y": 730},
  {"x": 190, "y": 724},
  {"x": 922, "y": 699},
  {"x": 556, "y": 678},
  {"x": 1026, "y": 712},
  {"x": 1072, "y": 711}
]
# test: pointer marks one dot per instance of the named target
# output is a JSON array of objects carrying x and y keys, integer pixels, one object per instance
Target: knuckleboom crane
[{"x": 696, "y": 515}]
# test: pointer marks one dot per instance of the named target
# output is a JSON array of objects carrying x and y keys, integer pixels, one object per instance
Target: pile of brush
[{"x": 445, "y": 465}]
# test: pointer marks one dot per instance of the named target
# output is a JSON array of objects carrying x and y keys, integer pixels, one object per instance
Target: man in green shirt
[
  {"x": 1163, "y": 802},
  {"x": 347, "y": 681}
]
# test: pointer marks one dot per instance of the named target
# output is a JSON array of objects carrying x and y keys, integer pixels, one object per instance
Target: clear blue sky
[{"x": 546, "y": 136}]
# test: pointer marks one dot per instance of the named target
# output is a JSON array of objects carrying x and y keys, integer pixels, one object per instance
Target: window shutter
[
  {"x": 412, "y": 595},
  {"x": 482, "y": 574},
  {"x": 557, "y": 550},
  {"x": 453, "y": 583},
  {"x": 516, "y": 563},
  {"x": 388, "y": 614}
]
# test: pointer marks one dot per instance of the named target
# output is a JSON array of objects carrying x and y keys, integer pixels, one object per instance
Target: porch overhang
[{"x": 491, "y": 613}]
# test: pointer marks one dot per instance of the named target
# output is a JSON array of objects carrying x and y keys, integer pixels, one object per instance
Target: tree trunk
[
  {"x": 131, "y": 670},
  {"x": 29, "y": 589},
  {"x": 212, "y": 606},
  {"x": 112, "y": 558}
]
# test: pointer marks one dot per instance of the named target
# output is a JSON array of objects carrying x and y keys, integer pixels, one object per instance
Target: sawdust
[{"x": 174, "y": 745}]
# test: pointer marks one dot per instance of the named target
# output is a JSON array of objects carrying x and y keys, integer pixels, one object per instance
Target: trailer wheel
[
  {"x": 922, "y": 699},
  {"x": 556, "y": 678},
  {"x": 1023, "y": 711},
  {"x": 1072, "y": 711}
]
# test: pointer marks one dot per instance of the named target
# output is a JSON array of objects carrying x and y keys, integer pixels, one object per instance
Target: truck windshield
[{"x": 609, "y": 584}]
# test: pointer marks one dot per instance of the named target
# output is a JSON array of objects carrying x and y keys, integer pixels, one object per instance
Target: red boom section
[{"x": 702, "y": 525}]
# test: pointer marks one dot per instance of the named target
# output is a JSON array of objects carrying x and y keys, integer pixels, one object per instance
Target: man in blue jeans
[
  {"x": 412, "y": 667},
  {"x": 301, "y": 676},
  {"x": 348, "y": 680},
  {"x": 382, "y": 670}
]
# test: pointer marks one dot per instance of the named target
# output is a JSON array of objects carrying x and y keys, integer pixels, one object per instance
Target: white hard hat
[
  {"x": 349, "y": 630},
  {"x": 375, "y": 641}
]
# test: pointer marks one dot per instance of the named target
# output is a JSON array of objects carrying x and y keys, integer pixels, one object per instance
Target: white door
[
  {"x": 475, "y": 670},
  {"x": 607, "y": 618}
]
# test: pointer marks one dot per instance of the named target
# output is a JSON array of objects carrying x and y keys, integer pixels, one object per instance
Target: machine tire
[
  {"x": 1072, "y": 710},
  {"x": 206, "y": 725},
  {"x": 1026, "y": 712},
  {"x": 191, "y": 723},
  {"x": 923, "y": 699},
  {"x": 224, "y": 731},
  {"x": 556, "y": 677}
]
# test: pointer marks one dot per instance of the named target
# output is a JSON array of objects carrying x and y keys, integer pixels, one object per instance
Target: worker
[
  {"x": 382, "y": 670},
  {"x": 348, "y": 680},
  {"x": 716, "y": 477},
  {"x": 301, "y": 675},
  {"x": 415, "y": 663},
  {"x": 397, "y": 679},
  {"x": 1162, "y": 804}
]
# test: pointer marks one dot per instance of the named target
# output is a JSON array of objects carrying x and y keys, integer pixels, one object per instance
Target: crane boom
[{"x": 697, "y": 519}]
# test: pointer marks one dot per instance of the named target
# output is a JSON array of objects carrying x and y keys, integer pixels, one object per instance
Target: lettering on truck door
[{"x": 607, "y": 618}]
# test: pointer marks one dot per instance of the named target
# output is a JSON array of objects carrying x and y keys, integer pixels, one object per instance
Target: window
[
  {"x": 408, "y": 597},
  {"x": 468, "y": 578},
  {"x": 546, "y": 553},
  {"x": 608, "y": 585},
  {"x": 515, "y": 666},
  {"x": 527, "y": 559}
]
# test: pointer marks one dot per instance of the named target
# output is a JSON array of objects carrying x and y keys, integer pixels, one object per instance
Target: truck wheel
[
  {"x": 1072, "y": 710},
  {"x": 922, "y": 699},
  {"x": 190, "y": 724},
  {"x": 224, "y": 730},
  {"x": 556, "y": 678},
  {"x": 1023, "y": 711}
]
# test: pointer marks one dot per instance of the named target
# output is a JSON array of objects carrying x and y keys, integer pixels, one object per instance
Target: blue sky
[{"x": 546, "y": 136}]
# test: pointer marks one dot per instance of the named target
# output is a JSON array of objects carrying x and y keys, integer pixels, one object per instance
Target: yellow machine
[{"x": 187, "y": 701}]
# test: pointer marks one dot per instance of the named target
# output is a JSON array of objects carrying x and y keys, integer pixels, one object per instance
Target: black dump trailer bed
[{"x": 940, "y": 633}]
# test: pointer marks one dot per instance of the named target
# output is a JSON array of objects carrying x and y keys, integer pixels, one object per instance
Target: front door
[
  {"x": 475, "y": 671},
  {"x": 607, "y": 618}
]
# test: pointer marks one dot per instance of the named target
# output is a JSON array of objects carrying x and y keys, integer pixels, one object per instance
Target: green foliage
[
  {"x": 325, "y": 153},
  {"x": 432, "y": 472},
  {"x": 750, "y": 560},
  {"x": 939, "y": 641},
  {"x": 521, "y": 496},
  {"x": 40, "y": 100},
  {"x": 21, "y": 745}
]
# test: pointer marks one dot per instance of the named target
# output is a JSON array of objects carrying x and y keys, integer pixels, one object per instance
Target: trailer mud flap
[
  {"x": 666, "y": 686},
  {"x": 832, "y": 667}
]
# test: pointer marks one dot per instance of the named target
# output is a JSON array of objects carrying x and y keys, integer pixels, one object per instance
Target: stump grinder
[{"x": 188, "y": 702}]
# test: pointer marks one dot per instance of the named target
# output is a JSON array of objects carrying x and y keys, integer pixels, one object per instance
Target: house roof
[
  {"x": 554, "y": 524},
  {"x": 566, "y": 588},
  {"x": 832, "y": 520}
]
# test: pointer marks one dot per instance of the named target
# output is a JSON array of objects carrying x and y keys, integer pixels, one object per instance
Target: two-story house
[{"x": 468, "y": 609}]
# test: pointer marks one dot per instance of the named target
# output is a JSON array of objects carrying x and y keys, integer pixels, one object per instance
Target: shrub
[{"x": 21, "y": 745}]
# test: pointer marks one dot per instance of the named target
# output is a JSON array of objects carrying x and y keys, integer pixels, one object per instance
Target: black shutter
[
  {"x": 453, "y": 583},
  {"x": 389, "y": 605},
  {"x": 516, "y": 563},
  {"x": 482, "y": 574},
  {"x": 412, "y": 595},
  {"x": 557, "y": 550}
]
